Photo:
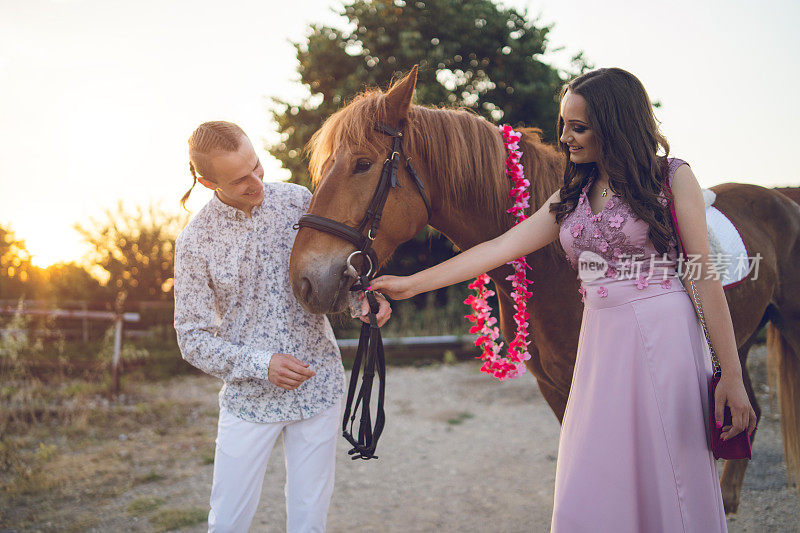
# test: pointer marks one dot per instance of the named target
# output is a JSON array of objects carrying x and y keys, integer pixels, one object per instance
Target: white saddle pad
[{"x": 728, "y": 251}]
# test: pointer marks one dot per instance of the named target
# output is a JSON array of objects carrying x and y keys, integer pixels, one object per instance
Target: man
[{"x": 236, "y": 318}]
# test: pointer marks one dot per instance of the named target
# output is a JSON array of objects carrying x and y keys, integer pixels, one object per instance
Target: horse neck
[
  {"x": 467, "y": 228},
  {"x": 472, "y": 220}
]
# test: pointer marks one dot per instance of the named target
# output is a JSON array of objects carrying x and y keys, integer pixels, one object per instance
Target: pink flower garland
[{"x": 512, "y": 364}]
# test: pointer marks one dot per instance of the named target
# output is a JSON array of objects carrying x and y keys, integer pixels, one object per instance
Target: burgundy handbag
[{"x": 739, "y": 446}]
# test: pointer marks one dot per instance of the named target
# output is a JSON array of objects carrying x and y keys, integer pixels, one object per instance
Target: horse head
[{"x": 348, "y": 154}]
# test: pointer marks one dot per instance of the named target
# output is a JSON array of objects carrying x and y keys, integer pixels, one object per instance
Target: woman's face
[
  {"x": 237, "y": 176},
  {"x": 578, "y": 135}
]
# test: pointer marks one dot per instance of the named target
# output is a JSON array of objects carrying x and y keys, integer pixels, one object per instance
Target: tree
[
  {"x": 472, "y": 53},
  {"x": 16, "y": 271},
  {"x": 135, "y": 249},
  {"x": 69, "y": 282}
]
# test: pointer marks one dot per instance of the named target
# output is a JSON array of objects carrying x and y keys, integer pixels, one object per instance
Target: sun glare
[{"x": 49, "y": 247}]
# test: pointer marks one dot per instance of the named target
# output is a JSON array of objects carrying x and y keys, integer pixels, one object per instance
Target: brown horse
[{"x": 460, "y": 157}]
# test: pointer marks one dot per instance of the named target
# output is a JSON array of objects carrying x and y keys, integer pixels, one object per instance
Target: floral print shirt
[{"x": 234, "y": 308}]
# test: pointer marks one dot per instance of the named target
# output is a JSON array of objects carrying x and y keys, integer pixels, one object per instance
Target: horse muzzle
[{"x": 321, "y": 284}]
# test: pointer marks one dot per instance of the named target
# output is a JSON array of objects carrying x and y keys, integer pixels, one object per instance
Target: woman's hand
[
  {"x": 731, "y": 391},
  {"x": 395, "y": 287}
]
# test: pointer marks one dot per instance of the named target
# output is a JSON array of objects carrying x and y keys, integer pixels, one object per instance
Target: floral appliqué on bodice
[{"x": 617, "y": 235}]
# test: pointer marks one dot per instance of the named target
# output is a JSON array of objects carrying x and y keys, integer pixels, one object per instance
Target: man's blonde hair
[{"x": 209, "y": 137}]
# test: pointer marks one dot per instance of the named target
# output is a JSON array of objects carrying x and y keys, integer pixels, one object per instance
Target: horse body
[
  {"x": 769, "y": 224},
  {"x": 556, "y": 307},
  {"x": 461, "y": 160}
]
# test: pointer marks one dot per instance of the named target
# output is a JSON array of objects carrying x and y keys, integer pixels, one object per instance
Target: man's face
[{"x": 237, "y": 176}]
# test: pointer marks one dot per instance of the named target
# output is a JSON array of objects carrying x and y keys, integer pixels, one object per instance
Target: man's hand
[
  {"x": 288, "y": 372},
  {"x": 384, "y": 309}
]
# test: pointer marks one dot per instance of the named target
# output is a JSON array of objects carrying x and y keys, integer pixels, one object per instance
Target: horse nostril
[{"x": 305, "y": 288}]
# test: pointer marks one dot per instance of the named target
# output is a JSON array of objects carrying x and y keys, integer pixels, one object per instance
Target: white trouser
[{"x": 240, "y": 461}]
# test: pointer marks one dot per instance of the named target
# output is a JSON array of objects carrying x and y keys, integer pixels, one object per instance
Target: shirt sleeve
[{"x": 196, "y": 325}]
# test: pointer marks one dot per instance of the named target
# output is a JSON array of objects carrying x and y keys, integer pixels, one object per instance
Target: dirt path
[{"x": 460, "y": 452}]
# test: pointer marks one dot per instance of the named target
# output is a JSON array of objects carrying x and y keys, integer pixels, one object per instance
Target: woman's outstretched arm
[{"x": 537, "y": 231}]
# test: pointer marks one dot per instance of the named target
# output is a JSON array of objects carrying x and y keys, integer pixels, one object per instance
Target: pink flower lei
[{"x": 512, "y": 364}]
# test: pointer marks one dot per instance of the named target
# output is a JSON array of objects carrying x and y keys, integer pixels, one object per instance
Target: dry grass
[
  {"x": 169, "y": 519},
  {"x": 144, "y": 505},
  {"x": 71, "y": 459},
  {"x": 64, "y": 443}
]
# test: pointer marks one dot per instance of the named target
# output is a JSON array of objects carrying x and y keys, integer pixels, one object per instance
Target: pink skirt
[{"x": 634, "y": 453}]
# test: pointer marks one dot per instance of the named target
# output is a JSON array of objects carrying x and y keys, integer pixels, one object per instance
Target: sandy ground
[{"x": 460, "y": 452}]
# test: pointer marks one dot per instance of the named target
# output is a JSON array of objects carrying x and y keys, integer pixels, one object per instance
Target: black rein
[{"x": 370, "y": 344}]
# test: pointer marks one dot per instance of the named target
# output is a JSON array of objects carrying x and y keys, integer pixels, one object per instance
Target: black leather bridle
[
  {"x": 370, "y": 344},
  {"x": 387, "y": 181}
]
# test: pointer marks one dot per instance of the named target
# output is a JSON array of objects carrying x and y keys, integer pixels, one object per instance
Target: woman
[{"x": 633, "y": 452}]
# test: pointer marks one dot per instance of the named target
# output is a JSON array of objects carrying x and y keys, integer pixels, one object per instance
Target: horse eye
[{"x": 362, "y": 165}]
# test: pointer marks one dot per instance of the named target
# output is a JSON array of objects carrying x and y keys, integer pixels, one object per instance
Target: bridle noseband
[{"x": 370, "y": 344}]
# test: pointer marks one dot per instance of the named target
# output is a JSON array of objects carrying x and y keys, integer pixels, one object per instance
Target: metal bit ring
[{"x": 351, "y": 270}]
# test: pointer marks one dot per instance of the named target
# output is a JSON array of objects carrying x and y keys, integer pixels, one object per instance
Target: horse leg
[
  {"x": 555, "y": 399},
  {"x": 783, "y": 338},
  {"x": 734, "y": 469}
]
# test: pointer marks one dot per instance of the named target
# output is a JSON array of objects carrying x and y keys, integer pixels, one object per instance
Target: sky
[{"x": 98, "y": 97}]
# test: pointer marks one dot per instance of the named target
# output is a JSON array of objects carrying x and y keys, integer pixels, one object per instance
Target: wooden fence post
[
  {"x": 118, "y": 319},
  {"x": 115, "y": 360},
  {"x": 85, "y": 307}
]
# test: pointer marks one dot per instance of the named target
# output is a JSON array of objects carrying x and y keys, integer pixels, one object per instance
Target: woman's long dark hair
[{"x": 621, "y": 115}]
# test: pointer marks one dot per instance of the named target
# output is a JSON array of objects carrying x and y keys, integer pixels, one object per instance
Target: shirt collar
[{"x": 229, "y": 211}]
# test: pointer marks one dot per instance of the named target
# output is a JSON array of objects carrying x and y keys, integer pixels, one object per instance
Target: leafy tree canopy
[
  {"x": 135, "y": 249},
  {"x": 16, "y": 270},
  {"x": 472, "y": 53}
]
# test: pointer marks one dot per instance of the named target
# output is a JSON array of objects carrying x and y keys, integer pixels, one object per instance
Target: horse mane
[{"x": 463, "y": 152}]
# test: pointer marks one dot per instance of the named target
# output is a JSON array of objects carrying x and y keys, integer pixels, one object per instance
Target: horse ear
[{"x": 398, "y": 99}]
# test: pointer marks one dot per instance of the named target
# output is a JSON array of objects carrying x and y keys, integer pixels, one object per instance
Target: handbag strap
[{"x": 697, "y": 305}]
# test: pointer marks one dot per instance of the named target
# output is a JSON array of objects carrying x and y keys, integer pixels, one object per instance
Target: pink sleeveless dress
[{"x": 634, "y": 454}]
